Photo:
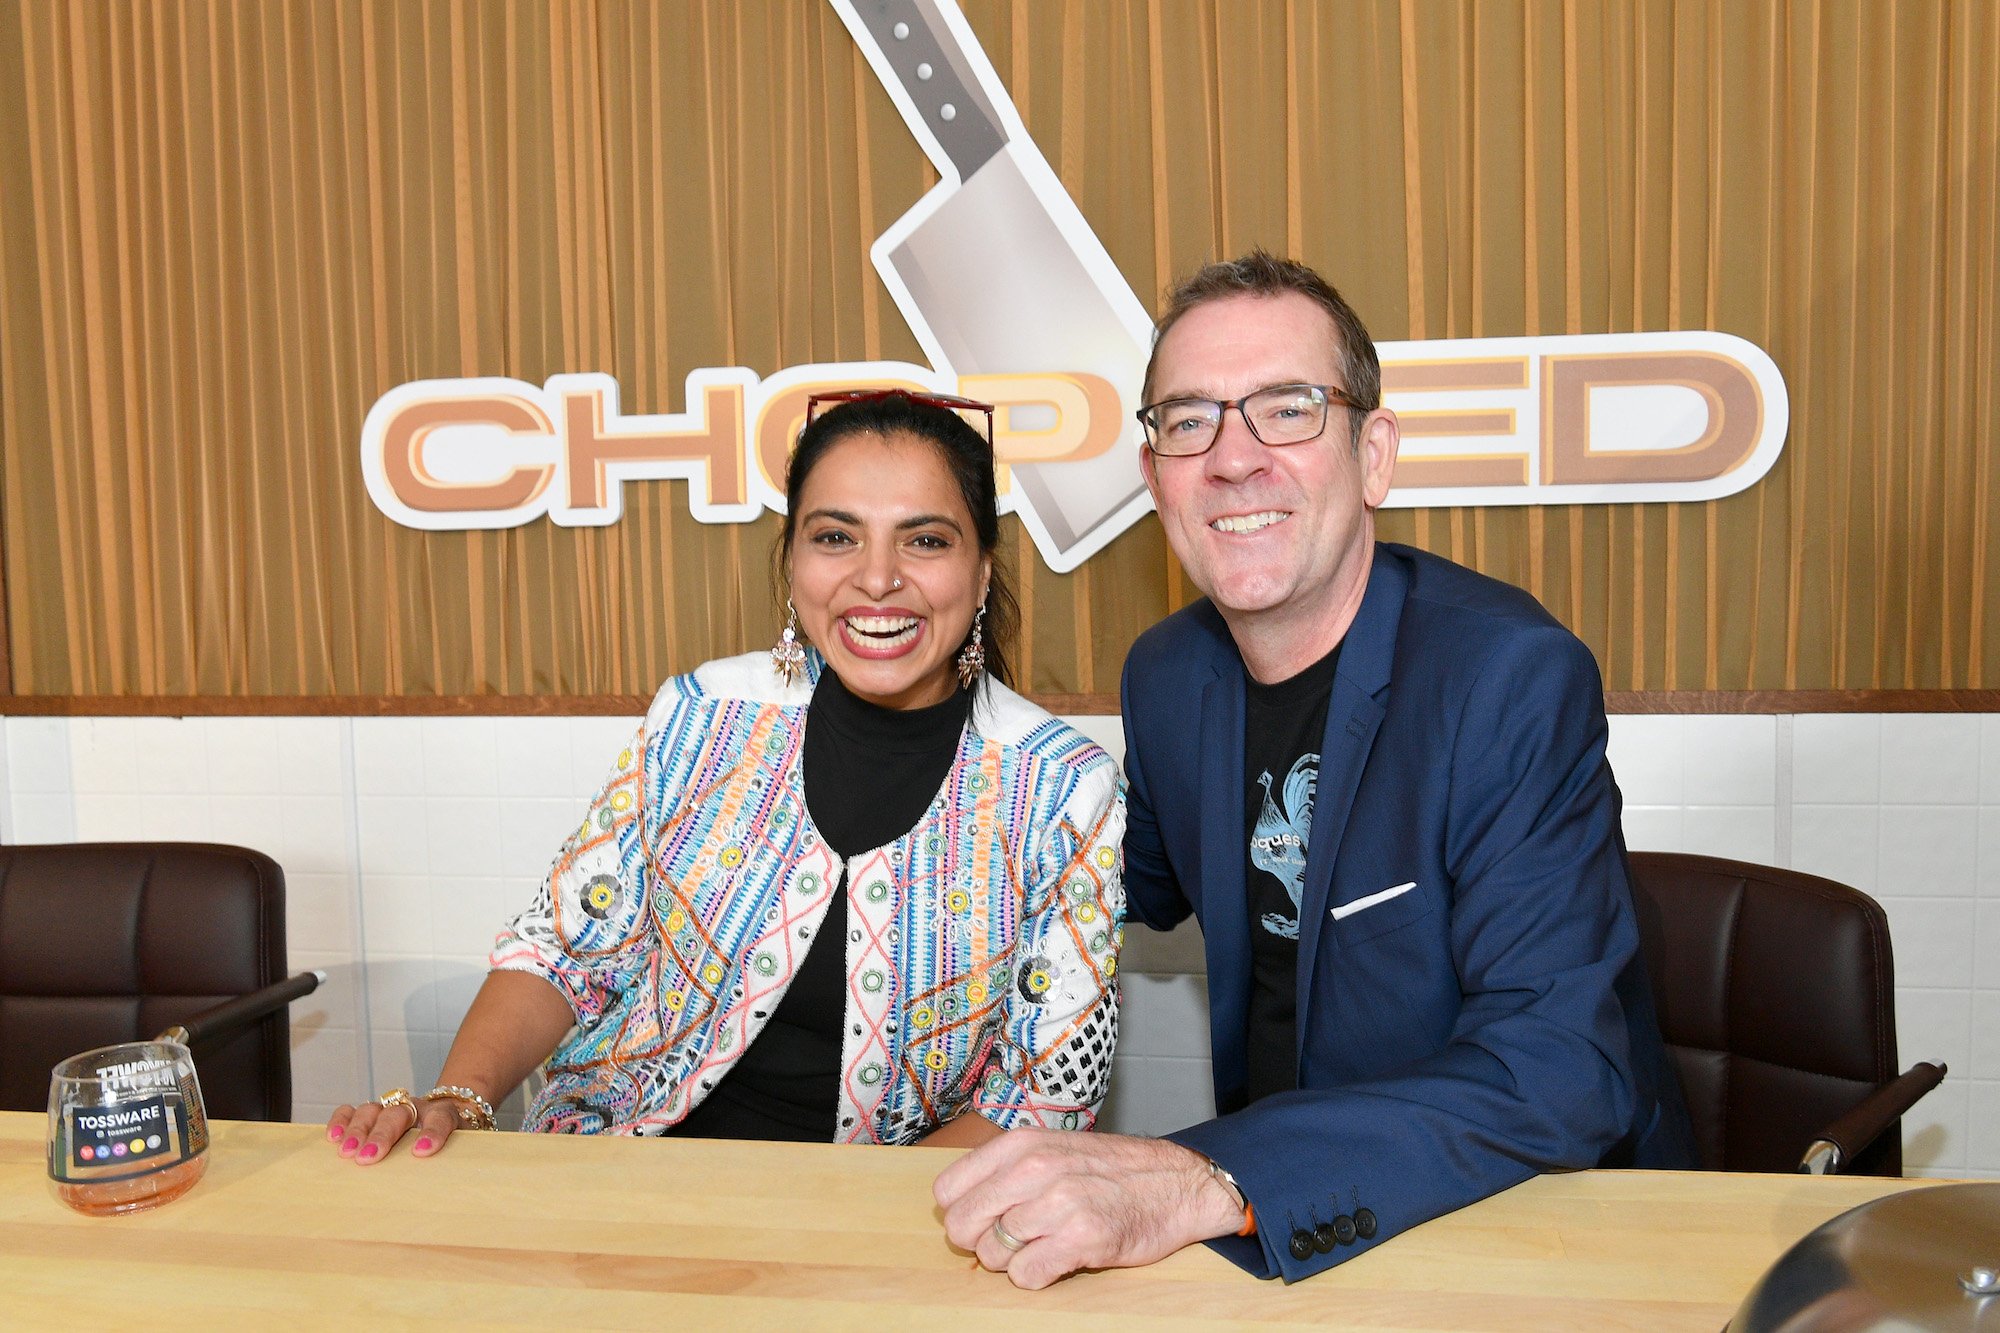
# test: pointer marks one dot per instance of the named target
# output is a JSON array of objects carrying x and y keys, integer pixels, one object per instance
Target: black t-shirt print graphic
[{"x": 1283, "y": 727}]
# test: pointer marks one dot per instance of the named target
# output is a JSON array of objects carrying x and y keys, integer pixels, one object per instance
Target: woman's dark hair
[{"x": 967, "y": 457}]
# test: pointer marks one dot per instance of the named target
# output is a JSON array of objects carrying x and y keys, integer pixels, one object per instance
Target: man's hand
[{"x": 1080, "y": 1201}]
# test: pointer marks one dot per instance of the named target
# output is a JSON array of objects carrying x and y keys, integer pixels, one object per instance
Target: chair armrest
[
  {"x": 1841, "y": 1141},
  {"x": 220, "y": 1022}
]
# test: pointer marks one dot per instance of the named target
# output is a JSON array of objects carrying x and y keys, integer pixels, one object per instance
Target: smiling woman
[
  {"x": 889, "y": 587},
  {"x": 889, "y": 569},
  {"x": 864, "y": 893}
]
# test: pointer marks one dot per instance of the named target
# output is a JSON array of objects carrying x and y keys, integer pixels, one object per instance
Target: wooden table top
[{"x": 528, "y": 1229}]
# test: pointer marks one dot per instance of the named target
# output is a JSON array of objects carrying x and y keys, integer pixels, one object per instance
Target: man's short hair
[{"x": 1261, "y": 273}]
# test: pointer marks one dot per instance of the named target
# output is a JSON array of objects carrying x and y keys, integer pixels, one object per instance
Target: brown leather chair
[
  {"x": 111, "y": 942},
  {"x": 1776, "y": 993}
]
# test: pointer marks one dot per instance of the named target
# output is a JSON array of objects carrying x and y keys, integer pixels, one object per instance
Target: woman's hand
[
  {"x": 513, "y": 1025},
  {"x": 367, "y": 1132}
]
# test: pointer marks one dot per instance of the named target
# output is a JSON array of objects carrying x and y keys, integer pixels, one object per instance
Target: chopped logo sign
[{"x": 1015, "y": 302}]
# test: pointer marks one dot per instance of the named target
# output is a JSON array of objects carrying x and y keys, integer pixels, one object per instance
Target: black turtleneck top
[{"x": 870, "y": 774}]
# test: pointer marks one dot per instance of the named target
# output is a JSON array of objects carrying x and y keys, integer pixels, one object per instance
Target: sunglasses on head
[{"x": 949, "y": 402}]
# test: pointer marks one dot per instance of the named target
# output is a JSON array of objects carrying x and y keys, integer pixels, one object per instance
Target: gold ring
[
  {"x": 1006, "y": 1237},
  {"x": 399, "y": 1097}
]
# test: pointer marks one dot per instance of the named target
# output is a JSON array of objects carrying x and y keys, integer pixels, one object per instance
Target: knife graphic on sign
[{"x": 995, "y": 269}]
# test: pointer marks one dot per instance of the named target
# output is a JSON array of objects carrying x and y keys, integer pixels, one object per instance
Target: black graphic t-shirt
[{"x": 1284, "y": 724}]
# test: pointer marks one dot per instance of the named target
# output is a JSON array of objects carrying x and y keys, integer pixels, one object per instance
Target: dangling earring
[
  {"x": 788, "y": 656},
  {"x": 972, "y": 657}
]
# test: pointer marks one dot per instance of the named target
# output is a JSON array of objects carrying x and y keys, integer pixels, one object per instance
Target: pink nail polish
[
  {"x": 368, "y": 1153},
  {"x": 423, "y": 1145},
  {"x": 350, "y": 1146},
  {"x": 333, "y": 1133}
]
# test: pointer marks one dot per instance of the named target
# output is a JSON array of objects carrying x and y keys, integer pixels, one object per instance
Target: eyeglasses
[
  {"x": 947, "y": 401},
  {"x": 1281, "y": 414}
]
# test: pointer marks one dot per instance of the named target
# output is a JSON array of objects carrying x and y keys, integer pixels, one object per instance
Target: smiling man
[{"x": 1378, "y": 780}]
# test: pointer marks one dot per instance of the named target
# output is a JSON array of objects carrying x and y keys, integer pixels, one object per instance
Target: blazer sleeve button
[
  {"x": 1364, "y": 1224},
  {"x": 1344, "y": 1229},
  {"x": 1323, "y": 1239},
  {"x": 1302, "y": 1245}
]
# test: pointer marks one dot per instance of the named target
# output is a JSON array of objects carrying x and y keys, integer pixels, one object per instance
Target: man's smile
[{"x": 1243, "y": 523}]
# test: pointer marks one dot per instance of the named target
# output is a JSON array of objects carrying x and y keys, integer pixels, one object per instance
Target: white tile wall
[
  {"x": 1646, "y": 753},
  {"x": 1929, "y": 849},
  {"x": 1727, "y": 761},
  {"x": 406, "y": 841},
  {"x": 1989, "y": 759},
  {"x": 1837, "y": 758}
]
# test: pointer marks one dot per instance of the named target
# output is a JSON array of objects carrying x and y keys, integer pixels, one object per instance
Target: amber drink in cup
[{"x": 126, "y": 1127}]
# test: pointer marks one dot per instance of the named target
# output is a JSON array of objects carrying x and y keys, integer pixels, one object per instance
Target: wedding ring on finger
[
  {"x": 1006, "y": 1237},
  {"x": 399, "y": 1097}
]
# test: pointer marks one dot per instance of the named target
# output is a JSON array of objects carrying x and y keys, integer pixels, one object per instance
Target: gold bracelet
[{"x": 470, "y": 1104}]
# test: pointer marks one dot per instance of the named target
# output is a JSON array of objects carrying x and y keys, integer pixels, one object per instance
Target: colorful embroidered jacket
[{"x": 981, "y": 949}]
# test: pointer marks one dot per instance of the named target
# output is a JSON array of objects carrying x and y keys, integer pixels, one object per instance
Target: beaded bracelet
[{"x": 470, "y": 1103}]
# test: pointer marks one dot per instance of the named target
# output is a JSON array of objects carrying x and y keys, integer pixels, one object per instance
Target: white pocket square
[{"x": 1372, "y": 900}]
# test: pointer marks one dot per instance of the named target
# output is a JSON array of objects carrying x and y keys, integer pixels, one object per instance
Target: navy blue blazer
[{"x": 1455, "y": 1037}]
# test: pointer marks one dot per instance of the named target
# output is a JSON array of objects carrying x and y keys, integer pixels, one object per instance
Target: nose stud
[{"x": 896, "y": 584}]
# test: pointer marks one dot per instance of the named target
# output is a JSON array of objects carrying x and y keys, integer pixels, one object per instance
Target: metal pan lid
[{"x": 1921, "y": 1259}]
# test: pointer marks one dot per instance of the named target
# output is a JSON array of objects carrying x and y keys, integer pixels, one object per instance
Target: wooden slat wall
[{"x": 227, "y": 228}]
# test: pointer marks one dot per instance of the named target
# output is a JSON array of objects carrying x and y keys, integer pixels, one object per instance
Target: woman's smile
[
  {"x": 886, "y": 570},
  {"x": 881, "y": 634}
]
